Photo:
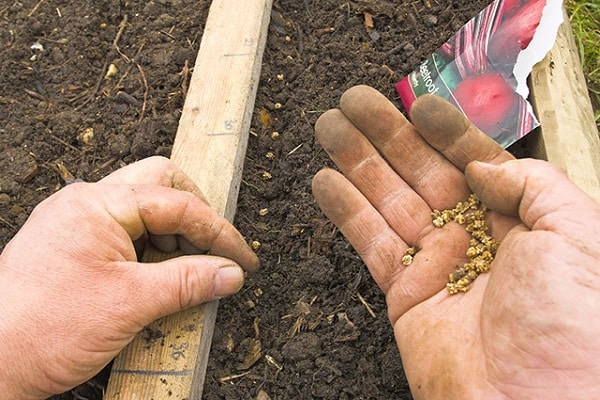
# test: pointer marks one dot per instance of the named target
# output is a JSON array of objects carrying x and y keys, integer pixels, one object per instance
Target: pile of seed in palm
[{"x": 482, "y": 247}]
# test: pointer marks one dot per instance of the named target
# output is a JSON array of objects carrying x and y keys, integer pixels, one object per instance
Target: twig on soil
[
  {"x": 8, "y": 224},
  {"x": 65, "y": 143},
  {"x": 118, "y": 84},
  {"x": 35, "y": 95},
  {"x": 34, "y": 9},
  {"x": 185, "y": 72},
  {"x": 118, "y": 36},
  {"x": 295, "y": 149},
  {"x": 168, "y": 33},
  {"x": 145, "y": 82},
  {"x": 367, "y": 306},
  {"x": 96, "y": 88},
  {"x": 130, "y": 61},
  {"x": 232, "y": 377},
  {"x": 272, "y": 361}
]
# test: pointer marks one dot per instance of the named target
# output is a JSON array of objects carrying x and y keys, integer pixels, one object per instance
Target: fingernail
[{"x": 229, "y": 280}]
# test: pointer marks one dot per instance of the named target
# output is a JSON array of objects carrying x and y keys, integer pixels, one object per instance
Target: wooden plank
[
  {"x": 568, "y": 135},
  {"x": 168, "y": 359}
]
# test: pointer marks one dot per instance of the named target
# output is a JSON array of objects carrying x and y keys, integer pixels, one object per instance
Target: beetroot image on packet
[{"x": 483, "y": 68}]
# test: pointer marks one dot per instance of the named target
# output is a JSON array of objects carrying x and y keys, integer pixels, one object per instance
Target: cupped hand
[
  {"x": 72, "y": 293},
  {"x": 528, "y": 329}
]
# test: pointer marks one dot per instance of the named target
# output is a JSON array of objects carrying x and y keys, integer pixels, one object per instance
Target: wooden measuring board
[
  {"x": 168, "y": 359},
  {"x": 568, "y": 134}
]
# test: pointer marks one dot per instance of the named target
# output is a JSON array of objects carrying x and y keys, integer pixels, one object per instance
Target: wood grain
[{"x": 568, "y": 135}]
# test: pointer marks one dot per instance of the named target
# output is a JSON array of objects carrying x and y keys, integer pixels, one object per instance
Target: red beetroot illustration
[
  {"x": 488, "y": 101},
  {"x": 509, "y": 7},
  {"x": 515, "y": 32}
]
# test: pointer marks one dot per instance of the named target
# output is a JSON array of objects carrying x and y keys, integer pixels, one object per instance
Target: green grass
[{"x": 585, "y": 20}]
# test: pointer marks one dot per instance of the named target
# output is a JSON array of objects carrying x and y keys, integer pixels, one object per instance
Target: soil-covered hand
[
  {"x": 72, "y": 293},
  {"x": 528, "y": 329}
]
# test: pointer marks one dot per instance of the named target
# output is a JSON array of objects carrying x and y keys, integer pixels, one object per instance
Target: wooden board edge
[{"x": 568, "y": 135}]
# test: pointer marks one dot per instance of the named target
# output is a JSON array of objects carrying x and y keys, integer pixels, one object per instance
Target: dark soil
[{"x": 311, "y": 303}]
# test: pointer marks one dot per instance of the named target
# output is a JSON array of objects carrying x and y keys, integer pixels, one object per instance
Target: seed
[
  {"x": 408, "y": 257},
  {"x": 111, "y": 72},
  {"x": 438, "y": 222},
  {"x": 482, "y": 247},
  {"x": 263, "y": 211},
  {"x": 472, "y": 252},
  {"x": 459, "y": 218},
  {"x": 255, "y": 245}
]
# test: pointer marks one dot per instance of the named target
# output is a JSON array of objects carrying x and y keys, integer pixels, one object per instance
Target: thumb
[
  {"x": 180, "y": 283},
  {"x": 528, "y": 188}
]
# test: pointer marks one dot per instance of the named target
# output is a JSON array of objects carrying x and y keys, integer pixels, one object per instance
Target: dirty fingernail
[{"x": 229, "y": 280}]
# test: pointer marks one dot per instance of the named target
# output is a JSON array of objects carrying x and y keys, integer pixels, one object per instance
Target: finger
[
  {"x": 382, "y": 249},
  {"x": 165, "y": 211},
  {"x": 164, "y": 243},
  {"x": 171, "y": 243},
  {"x": 159, "y": 289},
  {"x": 534, "y": 190},
  {"x": 447, "y": 130},
  {"x": 403, "y": 209},
  {"x": 368, "y": 232},
  {"x": 154, "y": 171},
  {"x": 435, "y": 179}
]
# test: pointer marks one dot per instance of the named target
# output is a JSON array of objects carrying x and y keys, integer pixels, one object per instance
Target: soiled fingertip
[
  {"x": 358, "y": 95},
  {"x": 328, "y": 128},
  {"x": 500, "y": 188},
  {"x": 320, "y": 182},
  {"x": 253, "y": 263},
  {"x": 328, "y": 188},
  {"x": 438, "y": 121},
  {"x": 372, "y": 113}
]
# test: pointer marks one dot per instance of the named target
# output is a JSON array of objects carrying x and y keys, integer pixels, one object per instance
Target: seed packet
[{"x": 483, "y": 68}]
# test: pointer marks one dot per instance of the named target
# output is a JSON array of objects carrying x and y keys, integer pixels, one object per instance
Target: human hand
[
  {"x": 72, "y": 293},
  {"x": 529, "y": 329}
]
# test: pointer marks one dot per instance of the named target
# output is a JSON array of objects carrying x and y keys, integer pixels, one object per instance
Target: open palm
[{"x": 528, "y": 329}]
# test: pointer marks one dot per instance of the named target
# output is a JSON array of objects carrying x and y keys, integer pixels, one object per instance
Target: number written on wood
[{"x": 178, "y": 350}]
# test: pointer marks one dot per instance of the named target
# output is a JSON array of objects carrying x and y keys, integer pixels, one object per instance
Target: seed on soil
[
  {"x": 275, "y": 135},
  {"x": 267, "y": 175},
  {"x": 255, "y": 245},
  {"x": 482, "y": 247},
  {"x": 263, "y": 211},
  {"x": 112, "y": 71}
]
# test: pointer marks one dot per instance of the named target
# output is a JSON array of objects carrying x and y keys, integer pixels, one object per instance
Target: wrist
[
  {"x": 12, "y": 378},
  {"x": 15, "y": 360}
]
